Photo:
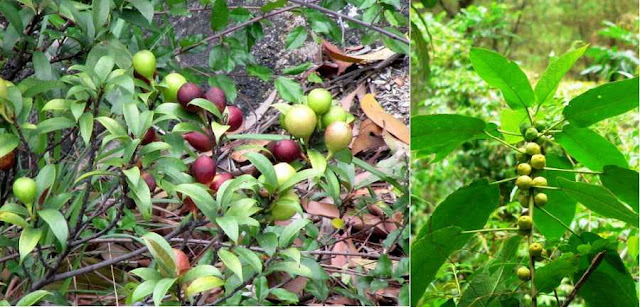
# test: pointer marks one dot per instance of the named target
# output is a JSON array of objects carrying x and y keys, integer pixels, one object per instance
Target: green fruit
[
  {"x": 532, "y": 149},
  {"x": 539, "y": 182},
  {"x": 535, "y": 250},
  {"x": 319, "y": 100},
  {"x": 540, "y": 199},
  {"x": 25, "y": 189},
  {"x": 281, "y": 120},
  {"x": 541, "y": 139},
  {"x": 541, "y": 125},
  {"x": 523, "y": 169},
  {"x": 300, "y": 121},
  {"x": 525, "y": 222},
  {"x": 521, "y": 156},
  {"x": 523, "y": 127},
  {"x": 144, "y": 62},
  {"x": 173, "y": 82},
  {"x": 284, "y": 171},
  {"x": 335, "y": 114},
  {"x": 531, "y": 134},
  {"x": 538, "y": 161},
  {"x": 286, "y": 206},
  {"x": 337, "y": 136},
  {"x": 523, "y": 273},
  {"x": 524, "y": 182}
]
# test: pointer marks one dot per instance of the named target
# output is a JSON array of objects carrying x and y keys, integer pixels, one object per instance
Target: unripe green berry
[
  {"x": 535, "y": 250},
  {"x": 523, "y": 273},
  {"x": 532, "y": 148},
  {"x": 538, "y": 161},
  {"x": 525, "y": 222},
  {"x": 541, "y": 139},
  {"x": 521, "y": 156},
  {"x": 523, "y": 127},
  {"x": 524, "y": 182},
  {"x": 25, "y": 189},
  {"x": 540, "y": 199},
  {"x": 531, "y": 134},
  {"x": 541, "y": 125},
  {"x": 539, "y": 182},
  {"x": 523, "y": 169}
]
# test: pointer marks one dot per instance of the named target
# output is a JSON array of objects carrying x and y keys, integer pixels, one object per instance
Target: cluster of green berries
[{"x": 531, "y": 161}]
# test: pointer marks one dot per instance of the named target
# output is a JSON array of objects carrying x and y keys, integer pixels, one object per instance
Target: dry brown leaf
[
  {"x": 347, "y": 101},
  {"x": 238, "y": 155},
  {"x": 321, "y": 209},
  {"x": 369, "y": 137},
  {"x": 336, "y": 54},
  {"x": 340, "y": 260},
  {"x": 376, "y": 113}
]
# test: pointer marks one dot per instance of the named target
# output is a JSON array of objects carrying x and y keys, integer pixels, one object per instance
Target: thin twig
[{"x": 592, "y": 267}]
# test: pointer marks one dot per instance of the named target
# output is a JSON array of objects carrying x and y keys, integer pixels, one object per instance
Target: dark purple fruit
[
  {"x": 7, "y": 161},
  {"x": 151, "y": 182},
  {"x": 217, "y": 96},
  {"x": 218, "y": 180},
  {"x": 235, "y": 118},
  {"x": 286, "y": 151},
  {"x": 203, "y": 169},
  {"x": 148, "y": 137},
  {"x": 199, "y": 141},
  {"x": 186, "y": 93}
]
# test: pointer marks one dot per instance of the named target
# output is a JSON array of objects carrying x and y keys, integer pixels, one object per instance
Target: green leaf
[
  {"x": 12, "y": 218},
  {"x": 285, "y": 296},
  {"x": 442, "y": 133},
  {"x": 161, "y": 289},
  {"x": 54, "y": 124},
  {"x": 103, "y": 67},
  {"x": 318, "y": 161},
  {"x": 604, "y": 101},
  {"x": 161, "y": 252},
  {"x": 589, "y": 148},
  {"x": 548, "y": 277},
  {"x": 297, "y": 69},
  {"x": 394, "y": 44},
  {"x": 289, "y": 90},
  {"x": 8, "y": 142},
  {"x": 266, "y": 169},
  {"x": 33, "y": 298},
  {"x": 229, "y": 225},
  {"x": 623, "y": 183},
  {"x": 504, "y": 75},
  {"x": 207, "y": 105},
  {"x": 143, "y": 290},
  {"x": 231, "y": 261},
  {"x": 201, "y": 197},
  {"x": 299, "y": 176},
  {"x": 145, "y": 8},
  {"x": 10, "y": 12},
  {"x": 200, "y": 271},
  {"x": 112, "y": 126},
  {"x": 203, "y": 284},
  {"x": 28, "y": 241},
  {"x": 296, "y": 38},
  {"x": 147, "y": 274},
  {"x": 56, "y": 105},
  {"x": 510, "y": 121},
  {"x": 86, "y": 127},
  {"x": 442, "y": 233},
  {"x": 271, "y": 5},
  {"x": 41, "y": 66},
  {"x": 219, "y": 15},
  {"x": 269, "y": 242},
  {"x": 552, "y": 75},
  {"x": 249, "y": 257},
  {"x": 259, "y": 71},
  {"x": 291, "y": 232},
  {"x": 599, "y": 200},
  {"x": 57, "y": 223},
  {"x": 559, "y": 205}
]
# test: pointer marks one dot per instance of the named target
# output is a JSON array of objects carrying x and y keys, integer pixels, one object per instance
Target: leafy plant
[
  {"x": 111, "y": 175},
  {"x": 559, "y": 165}
]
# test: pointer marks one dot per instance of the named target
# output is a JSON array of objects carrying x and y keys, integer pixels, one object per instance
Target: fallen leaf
[
  {"x": 369, "y": 137},
  {"x": 347, "y": 101},
  {"x": 336, "y": 54},
  {"x": 321, "y": 209},
  {"x": 238, "y": 155},
  {"x": 376, "y": 113}
]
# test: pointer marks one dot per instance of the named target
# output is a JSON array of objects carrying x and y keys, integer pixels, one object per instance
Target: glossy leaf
[
  {"x": 552, "y": 75},
  {"x": 623, "y": 183},
  {"x": 442, "y": 133},
  {"x": 57, "y": 223},
  {"x": 231, "y": 261}
]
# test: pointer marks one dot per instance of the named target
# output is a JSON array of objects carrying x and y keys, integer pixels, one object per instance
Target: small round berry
[
  {"x": 538, "y": 161},
  {"x": 540, "y": 199},
  {"x": 524, "y": 182},
  {"x": 532, "y": 148},
  {"x": 525, "y": 222},
  {"x": 531, "y": 134},
  {"x": 539, "y": 182},
  {"x": 523, "y": 273},
  {"x": 523, "y": 169},
  {"x": 535, "y": 250}
]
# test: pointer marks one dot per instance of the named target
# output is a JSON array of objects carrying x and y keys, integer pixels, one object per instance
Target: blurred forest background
[{"x": 531, "y": 32}]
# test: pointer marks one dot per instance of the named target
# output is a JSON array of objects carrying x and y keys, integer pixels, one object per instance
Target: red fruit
[
  {"x": 151, "y": 182},
  {"x": 203, "y": 169},
  {"x": 217, "y": 96},
  {"x": 218, "y": 180},
  {"x": 286, "y": 151},
  {"x": 199, "y": 141},
  {"x": 148, "y": 137},
  {"x": 7, "y": 161},
  {"x": 182, "y": 261},
  {"x": 235, "y": 118},
  {"x": 188, "y": 92}
]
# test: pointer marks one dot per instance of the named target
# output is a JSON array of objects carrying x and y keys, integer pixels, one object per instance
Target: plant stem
[
  {"x": 547, "y": 188},
  {"x": 504, "y": 180},
  {"x": 508, "y": 132},
  {"x": 490, "y": 230},
  {"x": 532, "y": 261},
  {"x": 553, "y": 126},
  {"x": 592, "y": 267},
  {"x": 571, "y": 171},
  {"x": 503, "y": 142}
]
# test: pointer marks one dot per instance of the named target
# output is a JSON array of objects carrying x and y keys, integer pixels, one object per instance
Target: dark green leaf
[
  {"x": 589, "y": 148},
  {"x": 296, "y": 38},
  {"x": 219, "y": 15},
  {"x": 33, "y": 298},
  {"x": 548, "y": 277},
  {"x": 559, "y": 205},
  {"x": 41, "y": 66},
  {"x": 623, "y": 183},
  {"x": 442, "y": 133},
  {"x": 264, "y": 73},
  {"x": 289, "y": 90},
  {"x": 57, "y": 223}
]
